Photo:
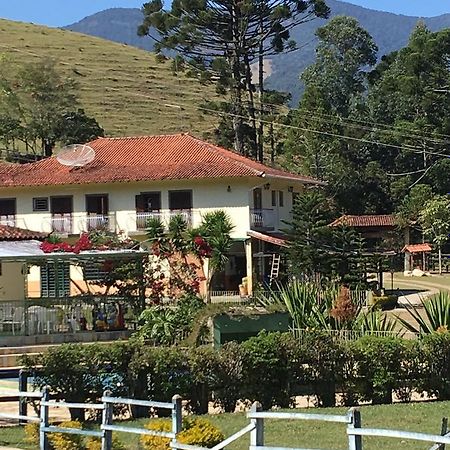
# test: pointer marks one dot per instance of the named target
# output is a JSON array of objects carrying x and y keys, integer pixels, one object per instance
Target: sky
[{"x": 57, "y": 13}]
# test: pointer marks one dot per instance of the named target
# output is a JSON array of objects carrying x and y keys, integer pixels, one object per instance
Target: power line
[{"x": 274, "y": 123}]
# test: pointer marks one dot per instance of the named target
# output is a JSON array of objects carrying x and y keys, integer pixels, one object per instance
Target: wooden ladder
[{"x": 275, "y": 269}]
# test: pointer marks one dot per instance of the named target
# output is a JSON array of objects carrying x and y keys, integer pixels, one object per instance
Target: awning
[
  {"x": 268, "y": 238},
  {"x": 23, "y": 251},
  {"x": 417, "y": 248}
]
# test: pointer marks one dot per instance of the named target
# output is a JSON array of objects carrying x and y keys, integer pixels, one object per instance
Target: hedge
[{"x": 272, "y": 368}]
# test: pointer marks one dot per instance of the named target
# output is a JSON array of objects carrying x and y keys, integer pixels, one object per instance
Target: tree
[
  {"x": 334, "y": 95},
  {"x": 76, "y": 127},
  {"x": 309, "y": 234},
  {"x": 234, "y": 31},
  {"x": 409, "y": 97},
  {"x": 344, "y": 52},
  {"x": 216, "y": 228},
  {"x": 40, "y": 107},
  {"x": 435, "y": 221}
]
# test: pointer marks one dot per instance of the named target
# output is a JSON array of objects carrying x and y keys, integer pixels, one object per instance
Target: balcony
[
  {"x": 164, "y": 216},
  {"x": 262, "y": 219},
  {"x": 62, "y": 223}
]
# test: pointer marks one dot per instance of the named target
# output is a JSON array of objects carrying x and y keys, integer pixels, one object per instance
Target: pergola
[{"x": 38, "y": 315}]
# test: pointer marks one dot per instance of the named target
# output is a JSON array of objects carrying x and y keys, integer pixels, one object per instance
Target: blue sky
[{"x": 64, "y": 12}]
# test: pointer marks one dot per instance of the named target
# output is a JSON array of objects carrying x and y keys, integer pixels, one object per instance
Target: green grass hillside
[{"x": 125, "y": 88}]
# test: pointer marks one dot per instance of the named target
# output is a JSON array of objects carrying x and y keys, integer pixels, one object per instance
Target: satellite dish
[{"x": 76, "y": 155}]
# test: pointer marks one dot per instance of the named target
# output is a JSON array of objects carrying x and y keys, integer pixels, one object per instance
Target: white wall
[{"x": 232, "y": 195}]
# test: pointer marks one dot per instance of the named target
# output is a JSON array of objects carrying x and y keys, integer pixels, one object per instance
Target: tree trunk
[
  {"x": 440, "y": 260},
  {"x": 261, "y": 95},
  {"x": 237, "y": 86},
  {"x": 251, "y": 108}
]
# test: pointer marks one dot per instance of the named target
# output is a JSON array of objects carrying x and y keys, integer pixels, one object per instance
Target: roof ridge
[{"x": 143, "y": 136}]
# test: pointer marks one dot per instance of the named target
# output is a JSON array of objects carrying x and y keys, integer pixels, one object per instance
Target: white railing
[
  {"x": 8, "y": 219},
  {"x": 262, "y": 218},
  {"x": 97, "y": 222},
  {"x": 62, "y": 223},
  {"x": 164, "y": 216},
  {"x": 256, "y": 426}
]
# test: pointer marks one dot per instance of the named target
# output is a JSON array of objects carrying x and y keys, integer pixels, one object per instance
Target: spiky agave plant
[
  {"x": 435, "y": 317},
  {"x": 373, "y": 322},
  {"x": 307, "y": 303}
]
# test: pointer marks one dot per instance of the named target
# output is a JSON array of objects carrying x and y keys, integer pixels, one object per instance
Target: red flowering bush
[{"x": 202, "y": 248}]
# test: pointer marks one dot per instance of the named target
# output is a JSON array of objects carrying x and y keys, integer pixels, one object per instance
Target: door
[
  {"x": 61, "y": 209},
  {"x": 148, "y": 204},
  {"x": 97, "y": 212},
  {"x": 180, "y": 202}
]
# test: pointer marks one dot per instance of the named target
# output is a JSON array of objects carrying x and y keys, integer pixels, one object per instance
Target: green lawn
[{"x": 422, "y": 417}]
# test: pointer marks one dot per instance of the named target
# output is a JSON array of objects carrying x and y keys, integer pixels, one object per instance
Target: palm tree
[{"x": 215, "y": 229}]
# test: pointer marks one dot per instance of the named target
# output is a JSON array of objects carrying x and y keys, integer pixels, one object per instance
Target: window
[
  {"x": 94, "y": 271},
  {"x": 180, "y": 200},
  {"x": 40, "y": 204},
  {"x": 7, "y": 206},
  {"x": 48, "y": 280},
  {"x": 8, "y": 211},
  {"x": 281, "y": 198},
  {"x": 97, "y": 204},
  {"x": 257, "y": 198},
  {"x": 274, "y": 198}
]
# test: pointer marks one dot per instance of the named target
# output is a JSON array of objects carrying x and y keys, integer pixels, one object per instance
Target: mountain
[
  {"x": 390, "y": 32},
  {"x": 126, "y": 89}
]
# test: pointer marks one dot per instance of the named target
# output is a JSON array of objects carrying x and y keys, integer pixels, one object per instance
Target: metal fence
[
  {"x": 352, "y": 335},
  {"x": 63, "y": 315},
  {"x": 256, "y": 426}
]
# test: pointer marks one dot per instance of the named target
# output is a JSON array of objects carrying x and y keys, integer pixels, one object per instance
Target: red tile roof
[
  {"x": 417, "y": 248},
  {"x": 178, "y": 156},
  {"x": 365, "y": 221},
  {"x": 8, "y": 233}
]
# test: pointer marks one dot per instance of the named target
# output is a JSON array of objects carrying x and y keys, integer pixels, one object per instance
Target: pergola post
[{"x": 249, "y": 261}]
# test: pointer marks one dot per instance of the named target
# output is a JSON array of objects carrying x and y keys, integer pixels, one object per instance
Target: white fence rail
[{"x": 256, "y": 427}]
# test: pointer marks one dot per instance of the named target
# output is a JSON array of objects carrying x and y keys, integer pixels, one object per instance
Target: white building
[{"x": 134, "y": 178}]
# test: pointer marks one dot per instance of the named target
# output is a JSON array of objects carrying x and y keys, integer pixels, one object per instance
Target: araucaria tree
[{"x": 237, "y": 32}]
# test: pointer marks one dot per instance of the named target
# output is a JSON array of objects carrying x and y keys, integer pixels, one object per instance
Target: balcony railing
[
  {"x": 262, "y": 218},
  {"x": 62, "y": 223},
  {"x": 97, "y": 222},
  {"x": 164, "y": 216},
  {"x": 8, "y": 219}
]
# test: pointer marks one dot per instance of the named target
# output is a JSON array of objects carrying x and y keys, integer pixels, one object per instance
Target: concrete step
[{"x": 24, "y": 349}]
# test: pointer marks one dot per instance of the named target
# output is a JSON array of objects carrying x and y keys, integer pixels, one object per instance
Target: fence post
[
  {"x": 177, "y": 417},
  {"x": 257, "y": 434},
  {"x": 23, "y": 403},
  {"x": 107, "y": 417},
  {"x": 43, "y": 436},
  {"x": 354, "y": 442}
]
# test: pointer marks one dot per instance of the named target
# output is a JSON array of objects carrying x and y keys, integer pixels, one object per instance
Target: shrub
[
  {"x": 384, "y": 302},
  {"x": 229, "y": 376},
  {"x": 435, "y": 364},
  {"x": 380, "y": 364},
  {"x": 200, "y": 432},
  {"x": 63, "y": 441},
  {"x": 95, "y": 443},
  {"x": 32, "y": 433},
  {"x": 266, "y": 370},
  {"x": 323, "y": 359},
  {"x": 195, "y": 431}
]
